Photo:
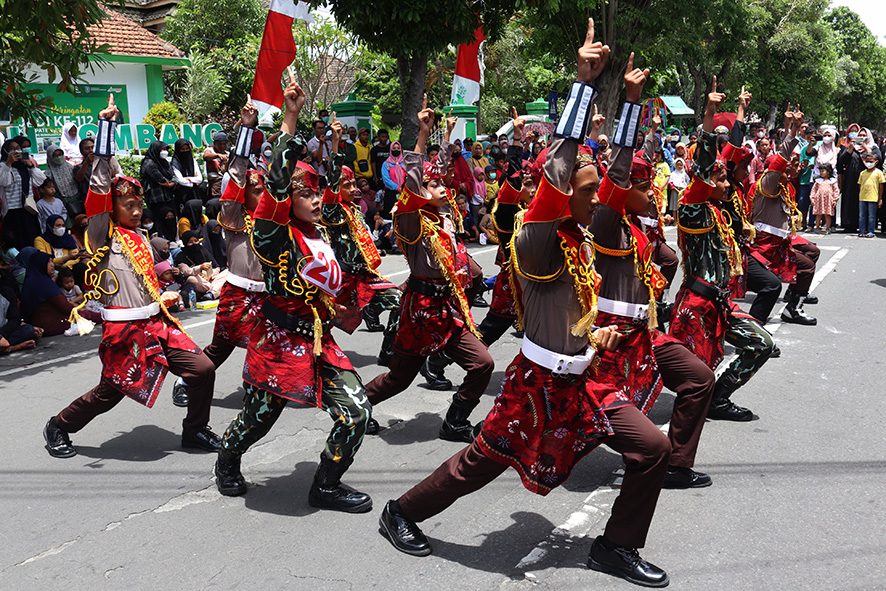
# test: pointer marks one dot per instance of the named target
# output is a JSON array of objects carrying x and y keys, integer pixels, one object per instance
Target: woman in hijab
[
  {"x": 156, "y": 174},
  {"x": 850, "y": 165},
  {"x": 192, "y": 219},
  {"x": 478, "y": 194},
  {"x": 195, "y": 264},
  {"x": 215, "y": 243},
  {"x": 477, "y": 157},
  {"x": 393, "y": 172},
  {"x": 78, "y": 231},
  {"x": 148, "y": 222},
  {"x": 62, "y": 174},
  {"x": 160, "y": 249},
  {"x": 167, "y": 223},
  {"x": 42, "y": 303},
  {"x": 464, "y": 176},
  {"x": 187, "y": 173},
  {"x": 70, "y": 143}
]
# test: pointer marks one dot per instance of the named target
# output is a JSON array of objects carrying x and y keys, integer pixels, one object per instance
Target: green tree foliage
[
  {"x": 412, "y": 32},
  {"x": 46, "y": 35},
  {"x": 860, "y": 71},
  {"x": 208, "y": 24},
  {"x": 165, "y": 112},
  {"x": 206, "y": 88}
]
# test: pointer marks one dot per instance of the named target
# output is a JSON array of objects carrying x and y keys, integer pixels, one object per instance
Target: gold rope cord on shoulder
[
  {"x": 585, "y": 282},
  {"x": 515, "y": 264},
  {"x": 307, "y": 292},
  {"x": 612, "y": 252},
  {"x": 727, "y": 237},
  {"x": 439, "y": 251}
]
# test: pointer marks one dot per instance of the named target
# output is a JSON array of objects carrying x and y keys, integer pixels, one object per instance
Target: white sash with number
[{"x": 322, "y": 270}]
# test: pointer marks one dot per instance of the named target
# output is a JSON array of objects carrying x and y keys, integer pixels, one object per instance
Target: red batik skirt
[
  {"x": 631, "y": 369},
  {"x": 133, "y": 355},
  {"x": 283, "y": 362},
  {"x": 778, "y": 254},
  {"x": 239, "y": 311},
  {"x": 356, "y": 291},
  {"x": 503, "y": 297},
  {"x": 701, "y": 325},
  {"x": 542, "y": 424},
  {"x": 426, "y": 324}
]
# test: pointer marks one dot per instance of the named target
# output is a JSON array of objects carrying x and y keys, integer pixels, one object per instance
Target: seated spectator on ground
[
  {"x": 15, "y": 334},
  {"x": 382, "y": 231},
  {"x": 192, "y": 218},
  {"x": 9, "y": 258},
  {"x": 214, "y": 241},
  {"x": 42, "y": 303},
  {"x": 167, "y": 223},
  {"x": 490, "y": 235},
  {"x": 170, "y": 291},
  {"x": 59, "y": 243},
  {"x": 215, "y": 157},
  {"x": 470, "y": 233},
  {"x": 196, "y": 266}
]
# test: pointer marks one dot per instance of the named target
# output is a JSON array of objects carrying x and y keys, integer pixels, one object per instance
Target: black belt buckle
[
  {"x": 350, "y": 268},
  {"x": 299, "y": 326},
  {"x": 705, "y": 289},
  {"x": 434, "y": 290}
]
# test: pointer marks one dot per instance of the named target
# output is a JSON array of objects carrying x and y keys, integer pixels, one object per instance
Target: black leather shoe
[
  {"x": 372, "y": 427},
  {"x": 327, "y": 491},
  {"x": 479, "y": 302},
  {"x": 606, "y": 557},
  {"x": 434, "y": 381},
  {"x": 729, "y": 411},
  {"x": 203, "y": 439},
  {"x": 810, "y": 299},
  {"x": 384, "y": 359},
  {"x": 403, "y": 533},
  {"x": 798, "y": 316},
  {"x": 373, "y": 325},
  {"x": 58, "y": 444},
  {"x": 776, "y": 353},
  {"x": 456, "y": 426},
  {"x": 228, "y": 479},
  {"x": 678, "y": 478},
  {"x": 180, "y": 394}
]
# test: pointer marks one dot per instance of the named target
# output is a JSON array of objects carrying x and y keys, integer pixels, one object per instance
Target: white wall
[{"x": 132, "y": 75}]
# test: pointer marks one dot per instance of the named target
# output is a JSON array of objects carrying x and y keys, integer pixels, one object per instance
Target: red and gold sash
[
  {"x": 443, "y": 248},
  {"x": 362, "y": 238}
]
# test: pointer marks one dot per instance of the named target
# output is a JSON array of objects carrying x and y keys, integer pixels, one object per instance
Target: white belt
[
  {"x": 244, "y": 283},
  {"x": 556, "y": 362},
  {"x": 648, "y": 222},
  {"x": 635, "y": 311},
  {"x": 129, "y": 314},
  {"x": 772, "y": 230}
]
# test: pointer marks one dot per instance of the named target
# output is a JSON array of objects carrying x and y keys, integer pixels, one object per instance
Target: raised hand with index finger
[
  {"x": 248, "y": 113},
  {"x": 293, "y": 95},
  {"x": 635, "y": 79},
  {"x": 592, "y": 57},
  {"x": 111, "y": 111},
  {"x": 519, "y": 123},
  {"x": 598, "y": 120},
  {"x": 715, "y": 99}
]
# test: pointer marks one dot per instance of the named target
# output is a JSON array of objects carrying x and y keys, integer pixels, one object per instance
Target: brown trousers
[
  {"x": 685, "y": 374},
  {"x": 218, "y": 351},
  {"x": 196, "y": 369},
  {"x": 464, "y": 349},
  {"x": 807, "y": 257},
  {"x": 645, "y": 451}
]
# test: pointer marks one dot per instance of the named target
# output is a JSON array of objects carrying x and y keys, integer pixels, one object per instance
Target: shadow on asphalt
[
  {"x": 880, "y": 282},
  {"x": 145, "y": 443},
  {"x": 425, "y": 426},
  {"x": 283, "y": 495}
]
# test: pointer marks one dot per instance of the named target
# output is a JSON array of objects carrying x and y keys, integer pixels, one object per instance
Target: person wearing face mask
[
  {"x": 62, "y": 174},
  {"x": 850, "y": 165},
  {"x": 870, "y": 195},
  {"x": 60, "y": 244},
  {"x": 392, "y": 171},
  {"x": 78, "y": 231},
  {"x": 15, "y": 186},
  {"x": 141, "y": 339},
  {"x": 187, "y": 174},
  {"x": 157, "y": 175}
]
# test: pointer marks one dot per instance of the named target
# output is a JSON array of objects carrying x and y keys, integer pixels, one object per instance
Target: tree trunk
[{"x": 413, "y": 71}]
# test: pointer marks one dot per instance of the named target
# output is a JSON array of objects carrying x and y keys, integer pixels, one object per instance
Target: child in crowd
[
  {"x": 825, "y": 194},
  {"x": 70, "y": 289},
  {"x": 9, "y": 255},
  {"x": 870, "y": 195},
  {"x": 48, "y": 204}
]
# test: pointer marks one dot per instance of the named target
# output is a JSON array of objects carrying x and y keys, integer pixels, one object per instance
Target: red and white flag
[
  {"x": 276, "y": 53},
  {"x": 469, "y": 69}
]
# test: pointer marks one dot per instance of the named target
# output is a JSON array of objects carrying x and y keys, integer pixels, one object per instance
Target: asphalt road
[{"x": 797, "y": 500}]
